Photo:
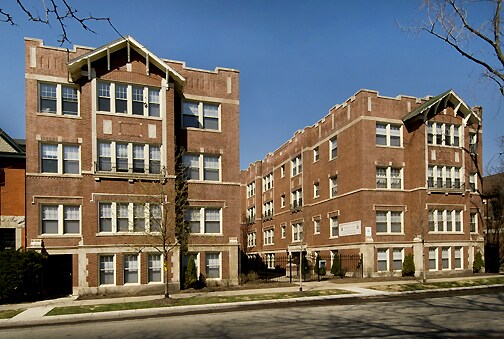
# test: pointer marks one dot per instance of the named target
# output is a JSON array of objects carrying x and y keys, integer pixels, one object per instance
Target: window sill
[
  {"x": 208, "y": 234},
  {"x": 334, "y": 237},
  {"x": 389, "y": 233},
  {"x": 446, "y": 232},
  {"x": 62, "y": 175},
  {"x": 387, "y": 146},
  {"x": 73, "y": 235},
  {"x": 201, "y": 129},
  {"x": 58, "y": 115},
  {"x": 127, "y": 115}
]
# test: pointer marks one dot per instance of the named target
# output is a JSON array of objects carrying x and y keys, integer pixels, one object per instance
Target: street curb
[{"x": 225, "y": 307}]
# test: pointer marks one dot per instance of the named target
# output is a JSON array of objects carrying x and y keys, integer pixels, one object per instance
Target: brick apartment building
[
  {"x": 12, "y": 192},
  {"x": 101, "y": 125},
  {"x": 378, "y": 177}
]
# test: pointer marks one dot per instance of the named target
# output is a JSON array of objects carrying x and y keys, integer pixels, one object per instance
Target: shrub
[
  {"x": 336, "y": 266},
  {"x": 191, "y": 275},
  {"x": 21, "y": 275},
  {"x": 478, "y": 263},
  {"x": 408, "y": 267}
]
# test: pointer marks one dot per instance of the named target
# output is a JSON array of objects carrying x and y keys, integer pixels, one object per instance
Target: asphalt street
[{"x": 473, "y": 315}]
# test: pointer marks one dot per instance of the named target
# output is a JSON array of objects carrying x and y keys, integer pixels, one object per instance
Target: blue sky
[{"x": 297, "y": 59}]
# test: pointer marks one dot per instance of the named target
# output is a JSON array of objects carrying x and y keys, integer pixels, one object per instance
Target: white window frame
[
  {"x": 453, "y": 132},
  {"x": 251, "y": 189},
  {"x": 296, "y": 166},
  {"x": 396, "y": 257},
  {"x": 282, "y": 200},
  {"x": 447, "y": 258},
  {"x": 334, "y": 220},
  {"x": 438, "y": 177},
  {"x": 388, "y": 177},
  {"x": 268, "y": 237},
  {"x": 385, "y": 253},
  {"x": 316, "y": 226},
  {"x": 60, "y": 158},
  {"x": 114, "y": 267},
  {"x": 333, "y": 148},
  {"x": 152, "y": 268},
  {"x": 460, "y": 256},
  {"x": 389, "y": 134},
  {"x": 297, "y": 232},
  {"x": 316, "y": 154},
  {"x": 282, "y": 171},
  {"x": 114, "y": 216},
  {"x": 219, "y": 254},
  {"x": 146, "y": 99},
  {"x": 201, "y": 115},
  {"x": 60, "y": 210},
  {"x": 59, "y": 98},
  {"x": 439, "y": 219},
  {"x": 268, "y": 182},
  {"x": 147, "y": 160},
  {"x": 333, "y": 186},
  {"x": 473, "y": 215},
  {"x": 316, "y": 190},
  {"x": 251, "y": 214},
  {"x": 433, "y": 255},
  {"x": 268, "y": 209},
  {"x": 127, "y": 270},
  {"x": 203, "y": 220},
  {"x": 201, "y": 166},
  {"x": 284, "y": 231},
  {"x": 297, "y": 198},
  {"x": 389, "y": 222}
]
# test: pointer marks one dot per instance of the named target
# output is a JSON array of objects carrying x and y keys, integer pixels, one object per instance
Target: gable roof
[
  {"x": 9, "y": 147},
  {"x": 76, "y": 64},
  {"x": 447, "y": 99}
]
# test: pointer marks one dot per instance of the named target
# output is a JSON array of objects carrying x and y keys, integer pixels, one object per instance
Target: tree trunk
[{"x": 166, "y": 277}]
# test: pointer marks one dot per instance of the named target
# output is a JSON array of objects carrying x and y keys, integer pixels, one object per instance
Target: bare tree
[
  {"x": 167, "y": 197},
  {"x": 480, "y": 42},
  {"x": 60, "y": 12}
]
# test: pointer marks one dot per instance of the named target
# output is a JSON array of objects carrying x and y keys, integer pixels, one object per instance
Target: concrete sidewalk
[{"x": 34, "y": 313}]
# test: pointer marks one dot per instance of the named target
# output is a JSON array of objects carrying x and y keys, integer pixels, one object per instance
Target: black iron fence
[{"x": 277, "y": 267}]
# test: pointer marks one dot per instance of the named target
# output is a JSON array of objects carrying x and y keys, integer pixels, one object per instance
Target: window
[
  {"x": 121, "y": 98},
  {"x": 334, "y": 227},
  {"x": 251, "y": 215},
  {"x": 316, "y": 190},
  {"x": 202, "y": 167},
  {"x": 316, "y": 155},
  {"x": 128, "y": 217},
  {"x": 282, "y": 200},
  {"x": 447, "y": 221},
  {"x": 268, "y": 210},
  {"x": 128, "y": 99},
  {"x": 154, "y": 103},
  {"x": 127, "y": 157},
  {"x": 472, "y": 182},
  {"x": 333, "y": 148},
  {"x": 270, "y": 261},
  {"x": 388, "y": 178},
  {"x": 296, "y": 165},
  {"x": 209, "y": 224},
  {"x": 443, "y": 177},
  {"x": 49, "y": 158},
  {"x": 296, "y": 199},
  {"x": 433, "y": 256},
  {"x": 473, "y": 224},
  {"x": 131, "y": 269},
  {"x": 333, "y": 183},
  {"x": 457, "y": 264},
  {"x": 58, "y": 99},
  {"x": 107, "y": 271},
  {"x": 388, "y": 134},
  {"x": 139, "y": 158},
  {"x": 445, "y": 258},
  {"x": 60, "y": 219},
  {"x": 442, "y": 134},
  {"x": 59, "y": 158},
  {"x": 251, "y": 189},
  {"x": 268, "y": 182},
  {"x": 154, "y": 159},
  {"x": 212, "y": 264},
  {"x": 154, "y": 268},
  {"x": 397, "y": 257},
  {"x": 71, "y": 219},
  {"x": 49, "y": 219},
  {"x": 138, "y": 100},
  {"x": 251, "y": 240},
  {"x": 389, "y": 222},
  {"x": 200, "y": 115},
  {"x": 316, "y": 226},
  {"x": 473, "y": 143},
  {"x": 382, "y": 258},
  {"x": 268, "y": 237},
  {"x": 282, "y": 171},
  {"x": 297, "y": 232},
  {"x": 284, "y": 231}
]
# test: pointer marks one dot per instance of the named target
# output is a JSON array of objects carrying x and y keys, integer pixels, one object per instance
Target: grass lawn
[
  {"x": 198, "y": 300},
  {"x": 7, "y": 314},
  {"x": 436, "y": 285}
]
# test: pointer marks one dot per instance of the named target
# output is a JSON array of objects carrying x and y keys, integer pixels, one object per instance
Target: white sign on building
[{"x": 350, "y": 228}]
